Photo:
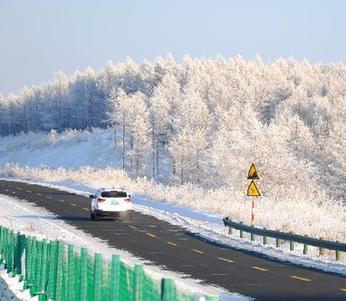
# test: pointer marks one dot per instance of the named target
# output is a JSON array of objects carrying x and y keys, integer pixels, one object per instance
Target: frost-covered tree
[{"x": 202, "y": 120}]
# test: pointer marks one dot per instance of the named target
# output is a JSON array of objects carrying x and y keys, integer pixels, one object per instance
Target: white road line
[
  {"x": 259, "y": 269},
  {"x": 300, "y": 278},
  {"x": 225, "y": 259},
  {"x": 197, "y": 251}
]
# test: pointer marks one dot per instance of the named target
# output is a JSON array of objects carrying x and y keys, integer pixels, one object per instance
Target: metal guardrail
[{"x": 307, "y": 241}]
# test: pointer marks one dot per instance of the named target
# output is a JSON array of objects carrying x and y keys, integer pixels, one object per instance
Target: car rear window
[{"x": 113, "y": 194}]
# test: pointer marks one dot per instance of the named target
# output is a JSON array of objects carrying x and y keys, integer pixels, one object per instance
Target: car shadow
[{"x": 64, "y": 218}]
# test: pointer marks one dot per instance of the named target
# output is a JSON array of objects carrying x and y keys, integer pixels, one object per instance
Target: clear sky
[{"x": 40, "y": 37}]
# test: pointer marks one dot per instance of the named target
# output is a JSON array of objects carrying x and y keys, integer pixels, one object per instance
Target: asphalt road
[{"x": 177, "y": 249}]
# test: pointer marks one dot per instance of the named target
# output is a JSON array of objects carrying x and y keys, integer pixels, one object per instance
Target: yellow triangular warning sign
[
  {"x": 252, "y": 190},
  {"x": 252, "y": 174}
]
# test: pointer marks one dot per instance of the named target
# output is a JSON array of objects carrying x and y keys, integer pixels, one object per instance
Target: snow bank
[{"x": 11, "y": 289}]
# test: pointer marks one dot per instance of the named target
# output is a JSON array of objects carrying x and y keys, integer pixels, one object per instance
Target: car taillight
[
  {"x": 128, "y": 199},
  {"x": 100, "y": 200}
]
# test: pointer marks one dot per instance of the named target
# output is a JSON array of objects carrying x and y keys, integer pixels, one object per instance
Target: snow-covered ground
[
  {"x": 11, "y": 289},
  {"x": 34, "y": 221}
]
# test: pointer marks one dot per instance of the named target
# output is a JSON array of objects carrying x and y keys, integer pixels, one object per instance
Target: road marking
[
  {"x": 151, "y": 235},
  {"x": 197, "y": 251},
  {"x": 61, "y": 201},
  {"x": 132, "y": 227},
  {"x": 171, "y": 243},
  {"x": 225, "y": 259},
  {"x": 19, "y": 188},
  {"x": 73, "y": 204},
  {"x": 86, "y": 209},
  {"x": 259, "y": 269},
  {"x": 37, "y": 193},
  {"x": 343, "y": 290},
  {"x": 49, "y": 197},
  {"x": 300, "y": 278},
  {"x": 29, "y": 191}
]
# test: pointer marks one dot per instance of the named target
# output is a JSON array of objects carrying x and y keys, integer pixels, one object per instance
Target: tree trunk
[
  {"x": 157, "y": 158},
  {"x": 123, "y": 142}
]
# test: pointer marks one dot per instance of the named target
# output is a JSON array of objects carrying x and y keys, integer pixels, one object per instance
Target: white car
[{"x": 112, "y": 202}]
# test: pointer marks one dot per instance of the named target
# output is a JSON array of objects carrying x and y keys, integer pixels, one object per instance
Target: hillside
[{"x": 204, "y": 121}]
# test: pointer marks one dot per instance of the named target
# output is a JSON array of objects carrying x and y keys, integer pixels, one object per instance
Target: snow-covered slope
[{"x": 70, "y": 149}]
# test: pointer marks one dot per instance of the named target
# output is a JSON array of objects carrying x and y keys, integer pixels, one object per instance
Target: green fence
[{"x": 53, "y": 270}]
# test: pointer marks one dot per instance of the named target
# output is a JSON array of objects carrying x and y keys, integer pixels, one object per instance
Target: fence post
[
  {"x": 277, "y": 242},
  {"x": 337, "y": 254},
  {"x": 28, "y": 264},
  {"x": 83, "y": 274},
  {"x": 230, "y": 230},
  {"x": 252, "y": 236},
  {"x": 241, "y": 234},
  {"x": 321, "y": 250},
  {"x": 97, "y": 277},
  {"x": 52, "y": 269},
  {"x": 43, "y": 278},
  {"x": 265, "y": 240},
  {"x": 70, "y": 273},
  {"x": 291, "y": 245},
  {"x": 168, "y": 290},
  {"x": 115, "y": 278},
  {"x": 138, "y": 283},
  {"x": 59, "y": 271},
  {"x": 19, "y": 252},
  {"x": 305, "y": 249}
]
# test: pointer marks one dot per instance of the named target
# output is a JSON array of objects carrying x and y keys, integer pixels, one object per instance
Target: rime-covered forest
[{"x": 204, "y": 121}]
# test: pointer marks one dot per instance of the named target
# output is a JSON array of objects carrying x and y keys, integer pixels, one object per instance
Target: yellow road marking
[
  {"x": 86, "y": 209},
  {"x": 225, "y": 259},
  {"x": 260, "y": 269},
  {"x": 300, "y": 278},
  {"x": 343, "y": 290},
  {"x": 198, "y": 251},
  {"x": 73, "y": 204},
  {"x": 62, "y": 201},
  {"x": 132, "y": 227},
  {"x": 151, "y": 235},
  {"x": 171, "y": 243}
]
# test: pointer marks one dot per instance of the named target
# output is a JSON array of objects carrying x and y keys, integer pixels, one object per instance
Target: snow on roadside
[
  {"x": 11, "y": 289},
  {"x": 210, "y": 227},
  {"x": 35, "y": 221}
]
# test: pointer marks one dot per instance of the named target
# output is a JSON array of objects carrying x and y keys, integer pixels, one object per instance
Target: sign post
[{"x": 252, "y": 190}]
